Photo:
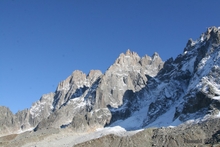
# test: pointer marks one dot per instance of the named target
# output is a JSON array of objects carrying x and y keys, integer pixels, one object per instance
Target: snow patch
[
  {"x": 165, "y": 120},
  {"x": 216, "y": 97},
  {"x": 189, "y": 65},
  {"x": 218, "y": 115},
  {"x": 22, "y": 131},
  {"x": 135, "y": 121}
]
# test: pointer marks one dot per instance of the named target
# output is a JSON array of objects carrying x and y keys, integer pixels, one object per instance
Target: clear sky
[{"x": 43, "y": 41}]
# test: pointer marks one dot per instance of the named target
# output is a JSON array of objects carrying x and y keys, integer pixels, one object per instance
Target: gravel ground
[{"x": 61, "y": 138}]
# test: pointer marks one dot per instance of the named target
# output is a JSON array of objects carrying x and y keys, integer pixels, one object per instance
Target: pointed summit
[
  {"x": 128, "y": 58},
  {"x": 128, "y": 52},
  {"x": 131, "y": 53},
  {"x": 155, "y": 55},
  {"x": 211, "y": 36}
]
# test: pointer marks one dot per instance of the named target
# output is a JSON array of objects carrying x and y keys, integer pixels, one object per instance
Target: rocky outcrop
[
  {"x": 7, "y": 121},
  {"x": 71, "y": 99},
  {"x": 74, "y": 86}
]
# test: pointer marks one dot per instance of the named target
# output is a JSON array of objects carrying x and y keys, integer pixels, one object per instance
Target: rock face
[
  {"x": 134, "y": 93},
  {"x": 7, "y": 121},
  {"x": 73, "y": 99},
  {"x": 90, "y": 98},
  {"x": 26, "y": 119},
  {"x": 127, "y": 73}
]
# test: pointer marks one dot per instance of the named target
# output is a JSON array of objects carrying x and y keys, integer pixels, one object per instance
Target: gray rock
[{"x": 8, "y": 122}]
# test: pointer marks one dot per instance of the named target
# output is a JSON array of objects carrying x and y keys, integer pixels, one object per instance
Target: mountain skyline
[
  {"x": 169, "y": 102},
  {"x": 44, "y": 42}
]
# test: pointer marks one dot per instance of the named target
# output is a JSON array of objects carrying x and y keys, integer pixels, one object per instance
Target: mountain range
[{"x": 134, "y": 95}]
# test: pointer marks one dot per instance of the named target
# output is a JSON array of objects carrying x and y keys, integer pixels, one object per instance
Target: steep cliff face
[{"x": 135, "y": 92}]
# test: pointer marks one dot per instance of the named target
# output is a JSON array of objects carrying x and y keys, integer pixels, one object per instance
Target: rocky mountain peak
[
  {"x": 156, "y": 59},
  {"x": 215, "y": 35},
  {"x": 94, "y": 74},
  {"x": 155, "y": 55},
  {"x": 74, "y": 86},
  {"x": 77, "y": 74},
  {"x": 128, "y": 73},
  {"x": 130, "y": 53},
  {"x": 212, "y": 29},
  {"x": 151, "y": 65},
  {"x": 128, "y": 58},
  {"x": 77, "y": 79},
  {"x": 211, "y": 36}
]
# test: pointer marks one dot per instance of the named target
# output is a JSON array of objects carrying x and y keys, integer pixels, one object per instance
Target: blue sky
[{"x": 43, "y": 41}]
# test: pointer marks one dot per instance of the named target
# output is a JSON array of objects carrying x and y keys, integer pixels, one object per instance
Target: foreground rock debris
[
  {"x": 138, "y": 101},
  {"x": 203, "y": 134}
]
